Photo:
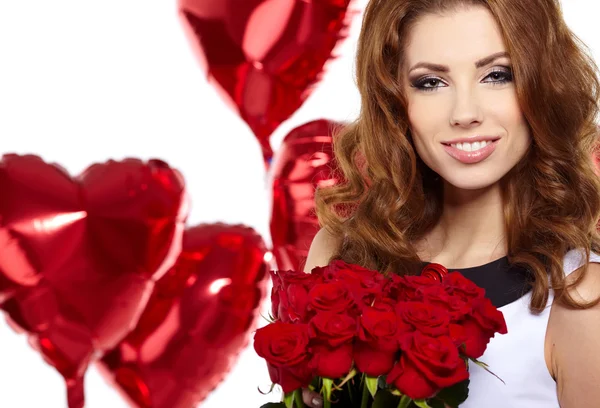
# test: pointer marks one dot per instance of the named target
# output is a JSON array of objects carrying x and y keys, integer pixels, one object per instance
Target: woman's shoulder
[
  {"x": 574, "y": 333},
  {"x": 324, "y": 245}
]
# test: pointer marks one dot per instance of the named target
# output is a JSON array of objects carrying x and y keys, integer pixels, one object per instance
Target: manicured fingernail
[{"x": 317, "y": 402}]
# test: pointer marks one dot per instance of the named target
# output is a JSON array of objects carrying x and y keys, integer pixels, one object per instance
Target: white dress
[{"x": 518, "y": 357}]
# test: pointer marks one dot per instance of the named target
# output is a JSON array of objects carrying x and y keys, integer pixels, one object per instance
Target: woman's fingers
[{"x": 312, "y": 399}]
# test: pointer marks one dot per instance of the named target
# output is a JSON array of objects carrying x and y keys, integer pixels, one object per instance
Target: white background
[{"x": 83, "y": 81}]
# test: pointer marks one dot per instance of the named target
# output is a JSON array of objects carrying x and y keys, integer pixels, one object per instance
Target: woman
[{"x": 473, "y": 150}]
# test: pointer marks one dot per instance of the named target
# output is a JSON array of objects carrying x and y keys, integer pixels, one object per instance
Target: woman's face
[{"x": 460, "y": 90}]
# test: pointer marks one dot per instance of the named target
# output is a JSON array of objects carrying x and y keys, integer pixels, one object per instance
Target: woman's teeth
[{"x": 471, "y": 147}]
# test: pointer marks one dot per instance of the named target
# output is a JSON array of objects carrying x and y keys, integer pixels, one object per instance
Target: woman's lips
[{"x": 471, "y": 157}]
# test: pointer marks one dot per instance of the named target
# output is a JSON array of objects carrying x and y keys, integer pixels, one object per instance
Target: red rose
[
  {"x": 275, "y": 294},
  {"x": 297, "y": 277},
  {"x": 378, "y": 322},
  {"x": 489, "y": 317},
  {"x": 376, "y": 347},
  {"x": 480, "y": 326},
  {"x": 290, "y": 295},
  {"x": 458, "y": 335},
  {"x": 297, "y": 297},
  {"x": 338, "y": 265},
  {"x": 285, "y": 348},
  {"x": 290, "y": 378},
  {"x": 330, "y": 297},
  {"x": 331, "y": 336},
  {"x": 319, "y": 272},
  {"x": 332, "y": 329},
  {"x": 292, "y": 303},
  {"x": 282, "y": 343},
  {"x": 410, "y": 381},
  {"x": 332, "y": 362},
  {"x": 456, "y": 303},
  {"x": 408, "y": 288},
  {"x": 427, "y": 318},
  {"x": 427, "y": 365},
  {"x": 475, "y": 339},
  {"x": 364, "y": 284},
  {"x": 459, "y": 283}
]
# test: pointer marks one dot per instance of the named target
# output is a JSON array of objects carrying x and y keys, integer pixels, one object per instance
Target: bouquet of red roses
[{"x": 364, "y": 339}]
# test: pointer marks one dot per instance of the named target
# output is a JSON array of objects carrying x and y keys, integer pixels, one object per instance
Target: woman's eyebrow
[{"x": 443, "y": 68}]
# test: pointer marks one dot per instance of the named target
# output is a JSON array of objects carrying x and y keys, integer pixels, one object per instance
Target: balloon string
[
  {"x": 75, "y": 394},
  {"x": 267, "y": 153},
  {"x": 268, "y": 160}
]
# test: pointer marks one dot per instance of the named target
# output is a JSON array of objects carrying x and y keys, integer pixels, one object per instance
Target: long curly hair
[{"x": 389, "y": 198}]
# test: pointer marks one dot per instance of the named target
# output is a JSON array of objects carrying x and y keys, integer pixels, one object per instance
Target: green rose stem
[
  {"x": 327, "y": 401},
  {"x": 365, "y": 396},
  {"x": 327, "y": 386},
  {"x": 298, "y": 399},
  {"x": 404, "y": 401}
]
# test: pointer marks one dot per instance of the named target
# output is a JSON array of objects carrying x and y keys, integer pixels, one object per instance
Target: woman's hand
[{"x": 312, "y": 399}]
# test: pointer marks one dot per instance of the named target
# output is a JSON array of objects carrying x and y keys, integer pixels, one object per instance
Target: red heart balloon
[
  {"x": 304, "y": 161},
  {"x": 197, "y": 321},
  {"x": 265, "y": 56},
  {"x": 79, "y": 256}
]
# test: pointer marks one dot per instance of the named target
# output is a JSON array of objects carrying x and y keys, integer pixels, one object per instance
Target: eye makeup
[{"x": 500, "y": 75}]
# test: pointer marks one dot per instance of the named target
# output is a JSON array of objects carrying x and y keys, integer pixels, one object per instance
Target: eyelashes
[{"x": 499, "y": 76}]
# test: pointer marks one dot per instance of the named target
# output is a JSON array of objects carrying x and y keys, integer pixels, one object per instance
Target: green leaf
[
  {"x": 383, "y": 399},
  {"x": 479, "y": 363},
  {"x": 381, "y": 382},
  {"x": 273, "y": 405},
  {"x": 288, "y": 399},
  {"x": 268, "y": 392},
  {"x": 269, "y": 319},
  {"x": 327, "y": 386},
  {"x": 456, "y": 394},
  {"x": 404, "y": 401},
  {"x": 350, "y": 375},
  {"x": 421, "y": 403},
  {"x": 371, "y": 385},
  {"x": 436, "y": 403},
  {"x": 485, "y": 367}
]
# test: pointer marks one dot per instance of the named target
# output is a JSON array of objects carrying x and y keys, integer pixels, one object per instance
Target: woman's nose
[{"x": 466, "y": 110}]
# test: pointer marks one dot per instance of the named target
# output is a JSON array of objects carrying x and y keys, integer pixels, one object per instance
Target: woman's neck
[{"x": 470, "y": 231}]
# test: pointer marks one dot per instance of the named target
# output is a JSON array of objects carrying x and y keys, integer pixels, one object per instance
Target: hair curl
[{"x": 389, "y": 198}]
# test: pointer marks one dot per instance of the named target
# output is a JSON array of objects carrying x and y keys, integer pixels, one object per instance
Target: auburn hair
[{"x": 388, "y": 198}]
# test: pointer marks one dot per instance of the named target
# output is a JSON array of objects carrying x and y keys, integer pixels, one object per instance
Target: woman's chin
[{"x": 474, "y": 183}]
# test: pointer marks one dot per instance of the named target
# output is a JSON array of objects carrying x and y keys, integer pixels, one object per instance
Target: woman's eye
[
  {"x": 428, "y": 84},
  {"x": 500, "y": 77}
]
